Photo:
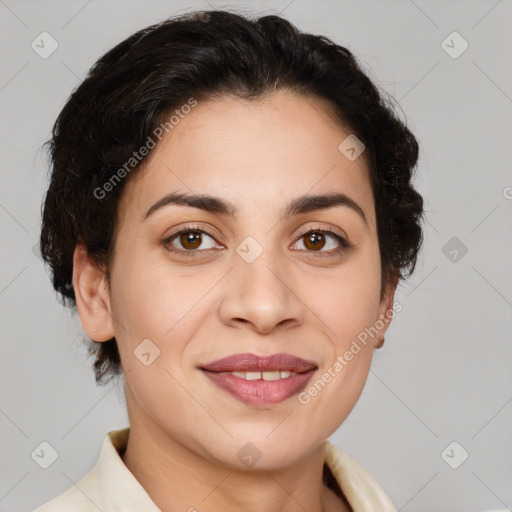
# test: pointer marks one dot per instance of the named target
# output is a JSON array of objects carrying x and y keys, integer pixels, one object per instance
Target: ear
[
  {"x": 92, "y": 296},
  {"x": 385, "y": 312}
]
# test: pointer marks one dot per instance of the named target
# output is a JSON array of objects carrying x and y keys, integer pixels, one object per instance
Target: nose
[{"x": 261, "y": 296}]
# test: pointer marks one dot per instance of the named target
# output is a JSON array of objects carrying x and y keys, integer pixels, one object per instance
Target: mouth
[
  {"x": 256, "y": 380},
  {"x": 251, "y": 363}
]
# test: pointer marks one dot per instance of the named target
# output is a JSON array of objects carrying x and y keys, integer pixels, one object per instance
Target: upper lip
[{"x": 254, "y": 363}]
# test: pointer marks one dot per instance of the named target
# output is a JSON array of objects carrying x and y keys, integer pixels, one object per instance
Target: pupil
[
  {"x": 192, "y": 238},
  {"x": 316, "y": 240}
]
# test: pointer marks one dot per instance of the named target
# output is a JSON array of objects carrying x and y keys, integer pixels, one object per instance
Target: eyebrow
[{"x": 299, "y": 205}]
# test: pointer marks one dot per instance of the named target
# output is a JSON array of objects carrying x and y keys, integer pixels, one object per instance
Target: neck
[{"x": 181, "y": 477}]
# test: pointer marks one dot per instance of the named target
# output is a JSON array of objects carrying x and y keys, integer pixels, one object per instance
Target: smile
[
  {"x": 260, "y": 388},
  {"x": 281, "y": 374}
]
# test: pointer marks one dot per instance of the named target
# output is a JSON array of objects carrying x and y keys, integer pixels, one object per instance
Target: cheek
[
  {"x": 347, "y": 305},
  {"x": 151, "y": 301},
  {"x": 154, "y": 324},
  {"x": 157, "y": 313},
  {"x": 347, "y": 299}
]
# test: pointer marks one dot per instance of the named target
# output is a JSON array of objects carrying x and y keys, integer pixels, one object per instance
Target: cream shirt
[{"x": 110, "y": 486}]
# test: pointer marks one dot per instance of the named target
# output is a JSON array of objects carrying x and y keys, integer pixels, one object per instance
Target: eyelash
[{"x": 194, "y": 253}]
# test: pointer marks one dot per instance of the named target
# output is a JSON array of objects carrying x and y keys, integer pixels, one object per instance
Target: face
[{"x": 202, "y": 285}]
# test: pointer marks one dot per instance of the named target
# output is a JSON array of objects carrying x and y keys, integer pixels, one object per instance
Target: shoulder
[
  {"x": 86, "y": 495},
  {"x": 360, "y": 488},
  {"x": 109, "y": 481},
  {"x": 69, "y": 500}
]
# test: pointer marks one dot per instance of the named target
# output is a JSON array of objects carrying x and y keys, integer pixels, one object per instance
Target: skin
[{"x": 294, "y": 298}]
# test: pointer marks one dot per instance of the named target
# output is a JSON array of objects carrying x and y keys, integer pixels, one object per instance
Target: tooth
[
  {"x": 270, "y": 375},
  {"x": 274, "y": 375}
]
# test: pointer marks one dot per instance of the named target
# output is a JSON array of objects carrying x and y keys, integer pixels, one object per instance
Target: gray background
[{"x": 444, "y": 373}]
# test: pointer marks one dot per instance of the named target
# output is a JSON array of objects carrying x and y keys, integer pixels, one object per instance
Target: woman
[{"x": 230, "y": 211}]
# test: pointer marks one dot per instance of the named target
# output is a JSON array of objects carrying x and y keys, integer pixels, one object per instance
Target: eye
[
  {"x": 191, "y": 240},
  {"x": 318, "y": 238}
]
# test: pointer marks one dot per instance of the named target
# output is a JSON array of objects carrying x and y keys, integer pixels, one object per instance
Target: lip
[
  {"x": 253, "y": 363},
  {"x": 260, "y": 392}
]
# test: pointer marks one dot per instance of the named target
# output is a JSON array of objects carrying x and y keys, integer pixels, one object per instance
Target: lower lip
[{"x": 261, "y": 392}]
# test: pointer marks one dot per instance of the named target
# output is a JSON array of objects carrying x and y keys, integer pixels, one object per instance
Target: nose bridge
[
  {"x": 258, "y": 270},
  {"x": 259, "y": 291}
]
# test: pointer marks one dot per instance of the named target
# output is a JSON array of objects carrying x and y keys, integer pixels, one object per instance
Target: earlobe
[{"x": 92, "y": 296}]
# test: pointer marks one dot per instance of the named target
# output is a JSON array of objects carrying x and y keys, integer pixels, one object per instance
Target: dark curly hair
[{"x": 136, "y": 85}]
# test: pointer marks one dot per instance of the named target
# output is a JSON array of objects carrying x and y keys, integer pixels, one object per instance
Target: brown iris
[
  {"x": 190, "y": 237},
  {"x": 314, "y": 241}
]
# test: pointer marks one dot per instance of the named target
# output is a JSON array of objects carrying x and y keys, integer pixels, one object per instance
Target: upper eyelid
[
  {"x": 192, "y": 228},
  {"x": 328, "y": 231},
  {"x": 330, "y": 228}
]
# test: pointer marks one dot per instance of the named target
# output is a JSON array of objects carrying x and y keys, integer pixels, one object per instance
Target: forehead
[{"x": 255, "y": 154}]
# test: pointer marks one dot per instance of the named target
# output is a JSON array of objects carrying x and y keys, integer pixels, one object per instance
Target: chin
[{"x": 257, "y": 452}]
